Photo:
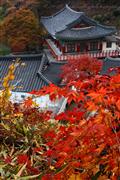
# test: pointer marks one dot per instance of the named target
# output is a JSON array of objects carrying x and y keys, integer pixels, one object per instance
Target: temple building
[{"x": 72, "y": 33}]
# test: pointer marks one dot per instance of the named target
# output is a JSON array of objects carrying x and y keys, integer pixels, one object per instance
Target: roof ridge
[
  {"x": 42, "y": 64},
  {"x": 90, "y": 19},
  {"x": 69, "y": 8},
  {"x": 21, "y": 56},
  {"x": 61, "y": 10},
  {"x": 40, "y": 70},
  {"x": 111, "y": 59},
  {"x": 107, "y": 27}
]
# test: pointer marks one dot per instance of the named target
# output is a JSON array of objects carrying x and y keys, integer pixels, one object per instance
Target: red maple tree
[
  {"x": 82, "y": 140},
  {"x": 87, "y": 140},
  {"x": 80, "y": 68}
]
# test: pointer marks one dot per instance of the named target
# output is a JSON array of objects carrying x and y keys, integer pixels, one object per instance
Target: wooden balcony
[
  {"x": 57, "y": 54},
  {"x": 98, "y": 55}
]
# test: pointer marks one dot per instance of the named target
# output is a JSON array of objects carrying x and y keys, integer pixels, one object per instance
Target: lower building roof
[
  {"x": 39, "y": 72},
  {"x": 53, "y": 72},
  {"x": 26, "y": 77},
  {"x": 108, "y": 63}
]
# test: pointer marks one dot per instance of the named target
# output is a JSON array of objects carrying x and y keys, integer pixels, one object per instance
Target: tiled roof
[
  {"x": 110, "y": 63},
  {"x": 60, "y": 20},
  {"x": 111, "y": 38},
  {"x": 26, "y": 76},
  {"x": 39, "y": 72},
  {"x": 60, "y": 26},
  {"x": 93, "y": 32},
  {"x": 53, "y": 72},
  {"x": 54, "y": 69}
]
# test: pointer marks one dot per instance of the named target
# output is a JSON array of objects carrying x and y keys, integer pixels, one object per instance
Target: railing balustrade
[{"x": 95, "y": 54}]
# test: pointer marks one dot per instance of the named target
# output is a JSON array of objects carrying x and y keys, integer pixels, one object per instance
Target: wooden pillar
[
  {"x": 76, "y": 47},
  {"x": 66, "y": 49},
  {"x": 57, "y": 43},
  {"x": 89, "y": 46},
  {"x": 63, "y": 48},
  {"x": 60, "y": 47}
]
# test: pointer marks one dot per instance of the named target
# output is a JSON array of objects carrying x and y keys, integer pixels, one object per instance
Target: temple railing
[
  {"x": 99, "y": 55},
  {"x": 95, "y": 54}
]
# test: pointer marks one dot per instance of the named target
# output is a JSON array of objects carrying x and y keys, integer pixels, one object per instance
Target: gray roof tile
[
  {"x": 91, "y": 32},
  {"x": 26, "y": 76},
  {"x": 110, "y": 63},
  {"x": 53, "y": 72},
  {"x": 60, "y": 26},
  {"x": 60, "y": 20}
]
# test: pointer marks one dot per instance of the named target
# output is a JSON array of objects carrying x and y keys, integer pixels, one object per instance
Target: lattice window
[
  {"x": 109, "y": 44},
  {"x": 94, "y": 46},
  {"x": 71, "y": 47}
]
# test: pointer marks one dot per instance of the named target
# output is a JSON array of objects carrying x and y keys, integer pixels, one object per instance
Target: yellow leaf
[{"x": 52, "y": 167}]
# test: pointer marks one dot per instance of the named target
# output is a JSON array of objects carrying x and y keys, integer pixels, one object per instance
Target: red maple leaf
[
  {"x": 22, "y": 159},
  {"x": 28, "y": 102}
]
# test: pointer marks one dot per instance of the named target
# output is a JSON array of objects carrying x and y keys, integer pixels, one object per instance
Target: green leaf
[
  {"x": 5, "y": 126},
  {"x": 25, "y": 129},
  {"x": 20, "y": 172}
]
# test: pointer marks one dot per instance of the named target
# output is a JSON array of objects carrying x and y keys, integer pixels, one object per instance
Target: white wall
[
  {"x": 42, "y": 101},
  {"x": 113, "y": 46}
]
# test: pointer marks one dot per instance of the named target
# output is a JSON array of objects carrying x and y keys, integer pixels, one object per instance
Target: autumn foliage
[
  {"x": 20, "y": 30},
  {"x": 88, "y": 140},
  {"x": 83, "y": 141},
  {"x": 80, "y": 68}
]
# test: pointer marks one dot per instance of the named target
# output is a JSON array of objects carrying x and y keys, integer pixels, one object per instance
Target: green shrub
[
  {"x": 4, "y": 50},
  {"x": 102, "y": 17}
]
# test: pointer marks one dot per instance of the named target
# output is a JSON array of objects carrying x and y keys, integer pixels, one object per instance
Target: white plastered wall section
[{"x": 112, "y": 48}]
